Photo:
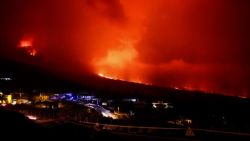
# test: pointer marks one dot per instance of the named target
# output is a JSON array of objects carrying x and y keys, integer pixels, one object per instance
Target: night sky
[{"x": 191, "y": 44}]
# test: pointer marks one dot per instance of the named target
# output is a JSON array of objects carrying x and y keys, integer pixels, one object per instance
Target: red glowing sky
[{"x": 192, "y": 44}]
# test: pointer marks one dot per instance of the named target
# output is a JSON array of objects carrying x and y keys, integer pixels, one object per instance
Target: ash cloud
[
  {"x": 197, "y": 44},
  {"x": 62, "y": 29},
  {"x": 112, "y": 9}
]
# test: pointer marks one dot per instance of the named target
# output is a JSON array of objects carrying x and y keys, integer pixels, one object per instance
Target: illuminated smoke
[
  {"x": 117, "y": 60},
  {"x": 194, "y": 44},
  {"x": 25, "y": 43}
]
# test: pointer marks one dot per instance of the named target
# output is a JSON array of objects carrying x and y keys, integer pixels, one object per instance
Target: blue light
[{"x": 68, "y": 94}]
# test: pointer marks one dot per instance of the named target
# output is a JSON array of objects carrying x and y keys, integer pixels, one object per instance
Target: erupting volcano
[
  {"x": 27, "y": 45},
  {"x": 194, "y": 44}
]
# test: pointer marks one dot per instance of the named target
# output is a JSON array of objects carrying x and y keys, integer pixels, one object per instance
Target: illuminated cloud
[{"x": 194, "y": 44}]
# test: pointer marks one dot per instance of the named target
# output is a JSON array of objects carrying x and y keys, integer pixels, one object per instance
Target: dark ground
[
  {"x": 16, "y": 126},
  {"x": 207, "y": 109}
]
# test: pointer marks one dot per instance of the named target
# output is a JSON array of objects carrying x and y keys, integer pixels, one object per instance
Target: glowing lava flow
[
  {"x": 114, "y": 78},
  {"x": 108, "y": 77},
  {"x": 32, "y": 52},
  {"x": 27, "y": 44}
]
